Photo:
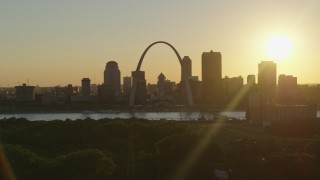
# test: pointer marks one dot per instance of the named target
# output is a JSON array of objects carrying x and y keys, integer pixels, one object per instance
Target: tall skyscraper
[
  {"x": 267, "y": 80},
  {"x": 85, "y": 87},
  {"x": 141, "y": 91},
  {"x": 112, "y": 77},
  {"x": 212, "y": 76},
  {"x": 251, "y": 86},
  {"x": 186, "y": 66},
  {"x": 161, "y": 85}
]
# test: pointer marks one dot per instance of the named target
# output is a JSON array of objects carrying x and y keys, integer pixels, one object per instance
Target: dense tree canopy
[{"x": 122, "y": 149}]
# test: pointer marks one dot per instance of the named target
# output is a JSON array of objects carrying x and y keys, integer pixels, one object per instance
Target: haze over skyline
[{"x": 52, "y": 42}]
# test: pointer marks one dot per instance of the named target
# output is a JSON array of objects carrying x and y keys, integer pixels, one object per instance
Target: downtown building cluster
[{"x": 268, "y": 98}]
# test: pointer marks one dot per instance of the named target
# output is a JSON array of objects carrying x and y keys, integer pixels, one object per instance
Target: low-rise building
[
  {"x": 278, "y": 112},
  {"x": 24, "y": 93},
  {"x": 262, "y": 114},
  {"x": 53, "y": 99}
]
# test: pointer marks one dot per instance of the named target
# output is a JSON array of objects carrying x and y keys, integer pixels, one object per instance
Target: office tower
[
  {"x": 127, "y": 81},
  {"x": 112, "y": 77},
  {"x": 212, "y": 77},
  {"x": 141, "y": 91},
  {"x": 186, "y": 66},
  {"x": 68, "y": 91},
  {"x": 250, "y": 87},
  {"x": 267, "y": 77},
  {"x": 85, "y": 87},
  {"x": 287, "y": 89},
  {"x": 251, "y": 79},
  {"x": 161, "y": 85},
  {"x": 267, "y": 80},
  {"x": 24, "y": 93}
]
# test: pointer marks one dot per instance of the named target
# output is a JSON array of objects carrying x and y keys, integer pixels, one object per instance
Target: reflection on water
[{"x": 124, "y": 115}]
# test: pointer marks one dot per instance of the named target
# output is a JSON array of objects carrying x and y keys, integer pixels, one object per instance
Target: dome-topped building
[{"x": 112, "y": 77}]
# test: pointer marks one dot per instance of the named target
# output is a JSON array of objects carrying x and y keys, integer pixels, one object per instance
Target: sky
[{"x": 50, "y": 43}]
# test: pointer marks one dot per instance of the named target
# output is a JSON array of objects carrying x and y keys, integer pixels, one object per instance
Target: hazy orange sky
[{"x": 60, "y": 42}]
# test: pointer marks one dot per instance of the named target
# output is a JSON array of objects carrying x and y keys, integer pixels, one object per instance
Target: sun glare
[{"x": 278, "y": 48}]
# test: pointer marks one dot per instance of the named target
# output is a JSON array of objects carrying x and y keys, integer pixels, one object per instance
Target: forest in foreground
[{"x": 118, "y": 149}]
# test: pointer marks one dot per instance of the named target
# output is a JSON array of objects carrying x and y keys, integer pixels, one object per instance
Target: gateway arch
[{"x": 135, "y": 79}]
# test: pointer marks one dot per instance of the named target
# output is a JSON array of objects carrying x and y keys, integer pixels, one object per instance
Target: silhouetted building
[
  {"x": 232, "y": 86},
  {"x": 53, "y": 99},
  {"x": 141, "y": 91},
  {"x": 287, "y": 112},
  {"x": 112, "y": 77},
  {"x": 84, "y": 99},
  {"x": 165, "y": 88},
  {"x": 287, "y": 89},
  {"x": 85, "y": 87},
  {"x": 58, "y": 90},
  {"x": 94, "y": 89},
  {"x": 212, "y": 77},
  {"x": 250, "y": 87},
  {"x": 186, "y": 66},
  {"x": 127, "y": 81},
  {"x": 253, "y": 112},
  {"x": 161, "y": 85},
  {"x": 267, "y": 80},
  {"x": 263, "y": 114},
  {"x": 44, "y": 90},
  {"x": 152, "y": 91},
  {"x": 196, "y": 90},
  {"x": 251, "y": 79},
  {"x": 309, "y": 94},
  {"x": 24, "y": 93},
  {"x": 194, "y": 78},
  {"x": 68, "y": 92},
  {"x": 106, "y": 94}
]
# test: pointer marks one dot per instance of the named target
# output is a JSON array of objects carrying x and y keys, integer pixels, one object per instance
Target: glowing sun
[{"x": 279, "y": 47}]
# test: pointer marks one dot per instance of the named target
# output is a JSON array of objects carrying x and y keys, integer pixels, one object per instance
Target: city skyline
[{"x": 49, "y": 40}]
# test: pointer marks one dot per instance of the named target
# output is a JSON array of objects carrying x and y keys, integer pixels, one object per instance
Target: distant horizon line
[{"x": 311, "y": 84}]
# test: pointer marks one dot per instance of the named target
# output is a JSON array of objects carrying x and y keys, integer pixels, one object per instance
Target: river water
[{"x": 124, "y": 115}]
